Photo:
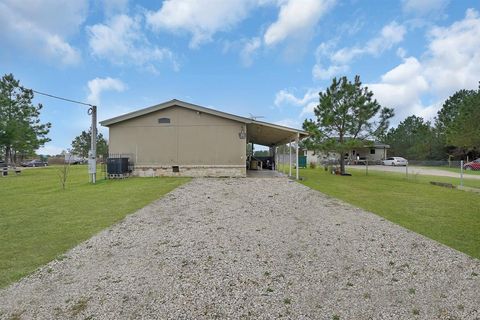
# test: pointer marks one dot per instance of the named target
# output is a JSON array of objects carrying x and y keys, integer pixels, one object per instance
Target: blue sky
[{"x": 268, "y": 58}]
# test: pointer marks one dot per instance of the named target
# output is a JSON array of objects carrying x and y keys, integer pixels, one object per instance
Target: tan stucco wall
[{"x": 191, "y": 139}]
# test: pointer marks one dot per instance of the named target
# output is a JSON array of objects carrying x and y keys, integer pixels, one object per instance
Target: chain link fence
[{"x": 450, "y": 174}]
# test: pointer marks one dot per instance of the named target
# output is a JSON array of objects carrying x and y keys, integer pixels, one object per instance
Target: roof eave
[{"x": 175, "y": 102}]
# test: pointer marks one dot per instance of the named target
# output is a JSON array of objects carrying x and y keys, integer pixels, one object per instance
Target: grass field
[
  {"x": 456, "y": 170},
  {"x": 412, "y": 177},
  {"x": 39, "y": 221},
  {"x": 449, "y": 216}
]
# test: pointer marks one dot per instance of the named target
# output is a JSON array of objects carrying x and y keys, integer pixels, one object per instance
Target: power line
[
  {"x": 64, "y": 99},
  {"x": 92, "y": 161}
]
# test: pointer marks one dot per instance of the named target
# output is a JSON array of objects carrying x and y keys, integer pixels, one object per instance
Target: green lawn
[
  {"x": 468, "y": 182},
  {"x": 39, "y": 221},
  {"x": 456, "y": 170},
  {"x": 449, "y": 216}
]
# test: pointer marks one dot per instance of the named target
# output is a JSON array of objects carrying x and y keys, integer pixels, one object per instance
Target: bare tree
[{"x": 63, "y": 174}]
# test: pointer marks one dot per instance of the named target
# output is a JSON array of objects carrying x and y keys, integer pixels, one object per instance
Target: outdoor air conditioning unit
[{"x": 117, "y": 165}]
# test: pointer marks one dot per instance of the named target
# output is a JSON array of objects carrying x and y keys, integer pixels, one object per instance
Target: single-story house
[
  {"x": 180, "y": 138},
  {"x": 374, "y": 153}
]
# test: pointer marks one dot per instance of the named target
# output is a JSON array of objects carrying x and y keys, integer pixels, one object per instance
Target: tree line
[{"x": 453, "y": 134}]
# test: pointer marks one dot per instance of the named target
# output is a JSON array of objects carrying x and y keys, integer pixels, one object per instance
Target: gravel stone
[{"x": 251, "y": 248}]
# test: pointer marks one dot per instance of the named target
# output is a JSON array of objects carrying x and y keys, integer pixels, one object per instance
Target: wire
[{"x": 64, "y": 99}]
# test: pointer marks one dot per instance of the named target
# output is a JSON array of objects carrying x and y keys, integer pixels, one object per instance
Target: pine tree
[
  {"x": 21, "y": 131},
  {"x": 345, "y": 118}
]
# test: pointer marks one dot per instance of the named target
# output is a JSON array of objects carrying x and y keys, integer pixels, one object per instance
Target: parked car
[
  {"x": 73, "y": 159},
  {"x": 395, "y": 161},
  {"x": 34, "y": 163},
  {"x": 473, "y": 165}
]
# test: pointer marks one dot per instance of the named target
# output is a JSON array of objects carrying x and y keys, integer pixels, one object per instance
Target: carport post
[
  {"x": 290, "y": 151},
  {"x": 276, "y": 158},
  {"x": 296, "y": 149}
]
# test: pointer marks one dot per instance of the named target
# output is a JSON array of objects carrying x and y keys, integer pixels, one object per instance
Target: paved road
[
  {"x": 253, "y": 248},
  {"x": 419, "y": 170}
]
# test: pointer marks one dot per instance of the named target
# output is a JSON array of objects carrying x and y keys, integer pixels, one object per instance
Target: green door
[{"x": 302, "y": 161}]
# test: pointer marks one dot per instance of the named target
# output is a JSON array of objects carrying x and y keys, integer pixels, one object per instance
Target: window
[
  {"x": 164, "y": 120},
  {"x": 372, "y": 151},
  {"x": 175, "y": 169}
]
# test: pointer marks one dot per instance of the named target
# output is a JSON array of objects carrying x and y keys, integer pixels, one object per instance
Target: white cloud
[
  {"x": 401, "y": 52},
  {"x": 249, "y": 50},
  {"x": 306, "y": 103},
  {"x": 98, "y": 85},
  {"x": 296, "y": 17},
  {"x": 402, "y": 88},
  {"x": 453, "y": 56},
  {"x": 58, "y": 48},
  {"x": 51, "y": 16},
  {"x": 332, "y": 71},
  {"x": 290, "y": 123},
  {"x": 451, "y": 63},
  {"x": 113, "y": 7},
  {"x": 325, "y": 49},
  {"x": 202, "y": 19},
  {"x": 338, "y": 61},
  {"x": 423, "y": 7},
  {"x": 43, "y": 27},
  {"x": 390, "y": 35},
  {"x": 284, "y": 96},
  {"x": 121, "y": 41},
  {"x": 50, "y": 149}
]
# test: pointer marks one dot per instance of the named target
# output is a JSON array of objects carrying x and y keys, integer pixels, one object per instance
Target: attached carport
[{"x": 273, "y": 136}]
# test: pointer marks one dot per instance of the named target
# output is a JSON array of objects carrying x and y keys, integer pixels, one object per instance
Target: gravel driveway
[{"x": 253, "y": 248}]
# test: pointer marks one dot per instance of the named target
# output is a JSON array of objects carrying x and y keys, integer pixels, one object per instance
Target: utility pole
[
  {"x": 92, "y": 159},
  {"x": 92, "y": 154}
]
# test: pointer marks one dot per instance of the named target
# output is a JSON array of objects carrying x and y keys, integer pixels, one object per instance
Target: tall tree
[
  {"x": 21, "y": 131},
  {"x": 81, "y": 144},
  {"x": 451, "y": 109},
  {"x": 416, "y": 139},
  {"x": 464, "y": 131},
  {"x": 347, "y": 116},
  {"x": 447, "y": 116}
]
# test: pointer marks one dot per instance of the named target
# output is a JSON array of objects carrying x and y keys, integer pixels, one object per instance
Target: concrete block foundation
[{"x": 190, "y": 171}]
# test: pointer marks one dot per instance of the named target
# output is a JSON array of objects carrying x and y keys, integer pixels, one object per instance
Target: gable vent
[{"x": 164, "y": 120}]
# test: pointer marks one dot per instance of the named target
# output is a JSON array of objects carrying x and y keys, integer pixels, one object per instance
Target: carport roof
[{"x": 258, "y": 132}]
